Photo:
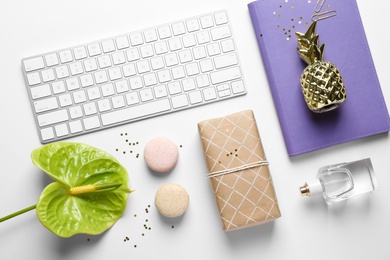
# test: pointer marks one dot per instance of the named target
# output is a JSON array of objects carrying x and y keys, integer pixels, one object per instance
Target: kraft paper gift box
[{"x": 238, "y": 171}]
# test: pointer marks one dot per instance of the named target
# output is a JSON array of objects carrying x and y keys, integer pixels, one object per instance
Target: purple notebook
[{"x": 364, "y": 113}]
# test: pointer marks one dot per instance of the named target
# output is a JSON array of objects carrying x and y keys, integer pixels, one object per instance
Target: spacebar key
[{"x": 140, "y": 111}]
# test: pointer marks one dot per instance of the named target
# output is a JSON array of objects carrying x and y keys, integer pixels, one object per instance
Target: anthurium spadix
[{"x": 89, "y": 191}]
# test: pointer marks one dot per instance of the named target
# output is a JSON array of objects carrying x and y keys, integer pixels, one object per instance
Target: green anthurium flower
[{"x": 89, "y": 193}]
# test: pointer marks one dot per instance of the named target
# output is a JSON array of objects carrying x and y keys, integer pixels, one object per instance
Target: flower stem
[{"x": 17, "y": 213}]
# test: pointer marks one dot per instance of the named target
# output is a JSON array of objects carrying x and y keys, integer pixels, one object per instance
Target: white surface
[{"x": 358, "y": 229}]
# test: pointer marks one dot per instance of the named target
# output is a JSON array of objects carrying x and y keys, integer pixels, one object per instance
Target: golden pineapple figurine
[{"x": 321, "y": 81}]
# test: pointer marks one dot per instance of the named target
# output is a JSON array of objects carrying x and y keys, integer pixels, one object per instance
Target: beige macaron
[{"x": 171, "y": 200}]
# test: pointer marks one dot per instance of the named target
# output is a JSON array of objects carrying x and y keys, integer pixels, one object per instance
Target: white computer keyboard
[{"x": 133, "y": 76}]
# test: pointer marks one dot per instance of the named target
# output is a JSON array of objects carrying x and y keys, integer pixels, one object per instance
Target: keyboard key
[
  {"x": 136, "y": 39},
  {"x": 164, "y": 32},
  {"x": 65, "y": 100},
  {"x": 225, "y": 75},
  {"x": 66, "y": 56},
  {"x": 225, "y": 60},
  {"x": 220, "y": 33},
  {"x": 206, "y": 21},
  {"x": 195, "y": 97},
  {"x": 40, "y": 91},
  {"x": 52, "y": 117},
  {"x": 220, "y": 18},
  {"x": 160, "y": 91},
  {"x": 90, "y": 108},
  {"x": 209, "y": 93},
  {"x": 135, "y": 112},
  {"x": 94, "y": 49},
  {"x": 238, "y": 87},
  {"x": 192, "y": 25},
  {"x": 80, "y": 53},
  {"x": 91, "y": 123},
  {"x": 61, "y": 130},
  {"x": 62, "y": 72},
  {"x": 108, "y": 46},
  {"x": 75, "y": 112},
  {"x": 33, "y": 64},
  {"x": 104, "y": 105},
  {"x": 45, "y": 104},
  {"x": 47, "y": 133},
  {"x": 75, "y": 127},
  {"x": 90, "y": 65},
  {"x": 178, "y": 28},
  {"x": 122, "y": 42},
  {"x": 33, "y": 78},
  {"x": 150, "y": 35},
  {"x": 146, "y": 95},
  {"x": 180, "y": 101},
  {"x": 51, "y": 59}
]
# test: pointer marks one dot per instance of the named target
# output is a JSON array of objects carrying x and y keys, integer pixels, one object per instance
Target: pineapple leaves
[
  {"x": 308, "y": 47},
  {"x": 89, "y": 193}
]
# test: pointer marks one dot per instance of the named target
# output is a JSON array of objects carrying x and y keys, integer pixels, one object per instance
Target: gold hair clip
[{"x": 322, "y": 85}]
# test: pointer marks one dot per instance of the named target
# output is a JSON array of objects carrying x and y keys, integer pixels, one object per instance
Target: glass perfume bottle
[{"x": 342, "y": 181}]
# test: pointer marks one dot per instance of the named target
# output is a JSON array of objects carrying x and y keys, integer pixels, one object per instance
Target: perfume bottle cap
[
  {"x": 305, "y": 191},
  {"x": 311, "y": 188}
]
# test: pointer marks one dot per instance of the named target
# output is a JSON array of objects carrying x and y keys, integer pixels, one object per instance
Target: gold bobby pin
[
  {"x": 323, "y": 15},
  {"x": 319, "y": 5}
]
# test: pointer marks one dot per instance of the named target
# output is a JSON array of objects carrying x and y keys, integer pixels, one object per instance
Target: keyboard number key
[
  {"x": 66, "y": 56},
  {"x": 122, "y": 42},
  {"x": 178, "y": 28},
  {"x": 150, "y": 35},
  {"x": 108, "y": 46},
  {"x": 136, "y": 39},
  {"x": 192, "y": 25},
  {"x": 51, "y": 59},
  {"x": 62, "y": 72},
  {"x": 164, "y": 32}
]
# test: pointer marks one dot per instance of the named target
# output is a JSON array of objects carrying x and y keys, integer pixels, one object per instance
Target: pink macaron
[{"x": 161, "y": 154}]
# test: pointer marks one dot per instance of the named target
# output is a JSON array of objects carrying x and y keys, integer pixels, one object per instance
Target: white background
[{"x": 358, "y": 229}]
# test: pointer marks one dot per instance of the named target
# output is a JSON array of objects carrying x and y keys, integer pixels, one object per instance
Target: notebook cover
[{"x": 364, "y": 113}]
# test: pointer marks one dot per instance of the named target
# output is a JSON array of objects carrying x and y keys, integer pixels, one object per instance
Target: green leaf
[{"x": 90, "y": 191}]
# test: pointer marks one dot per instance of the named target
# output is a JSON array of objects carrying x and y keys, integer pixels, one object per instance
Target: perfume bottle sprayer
[{"x": 342, "y": 181}]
